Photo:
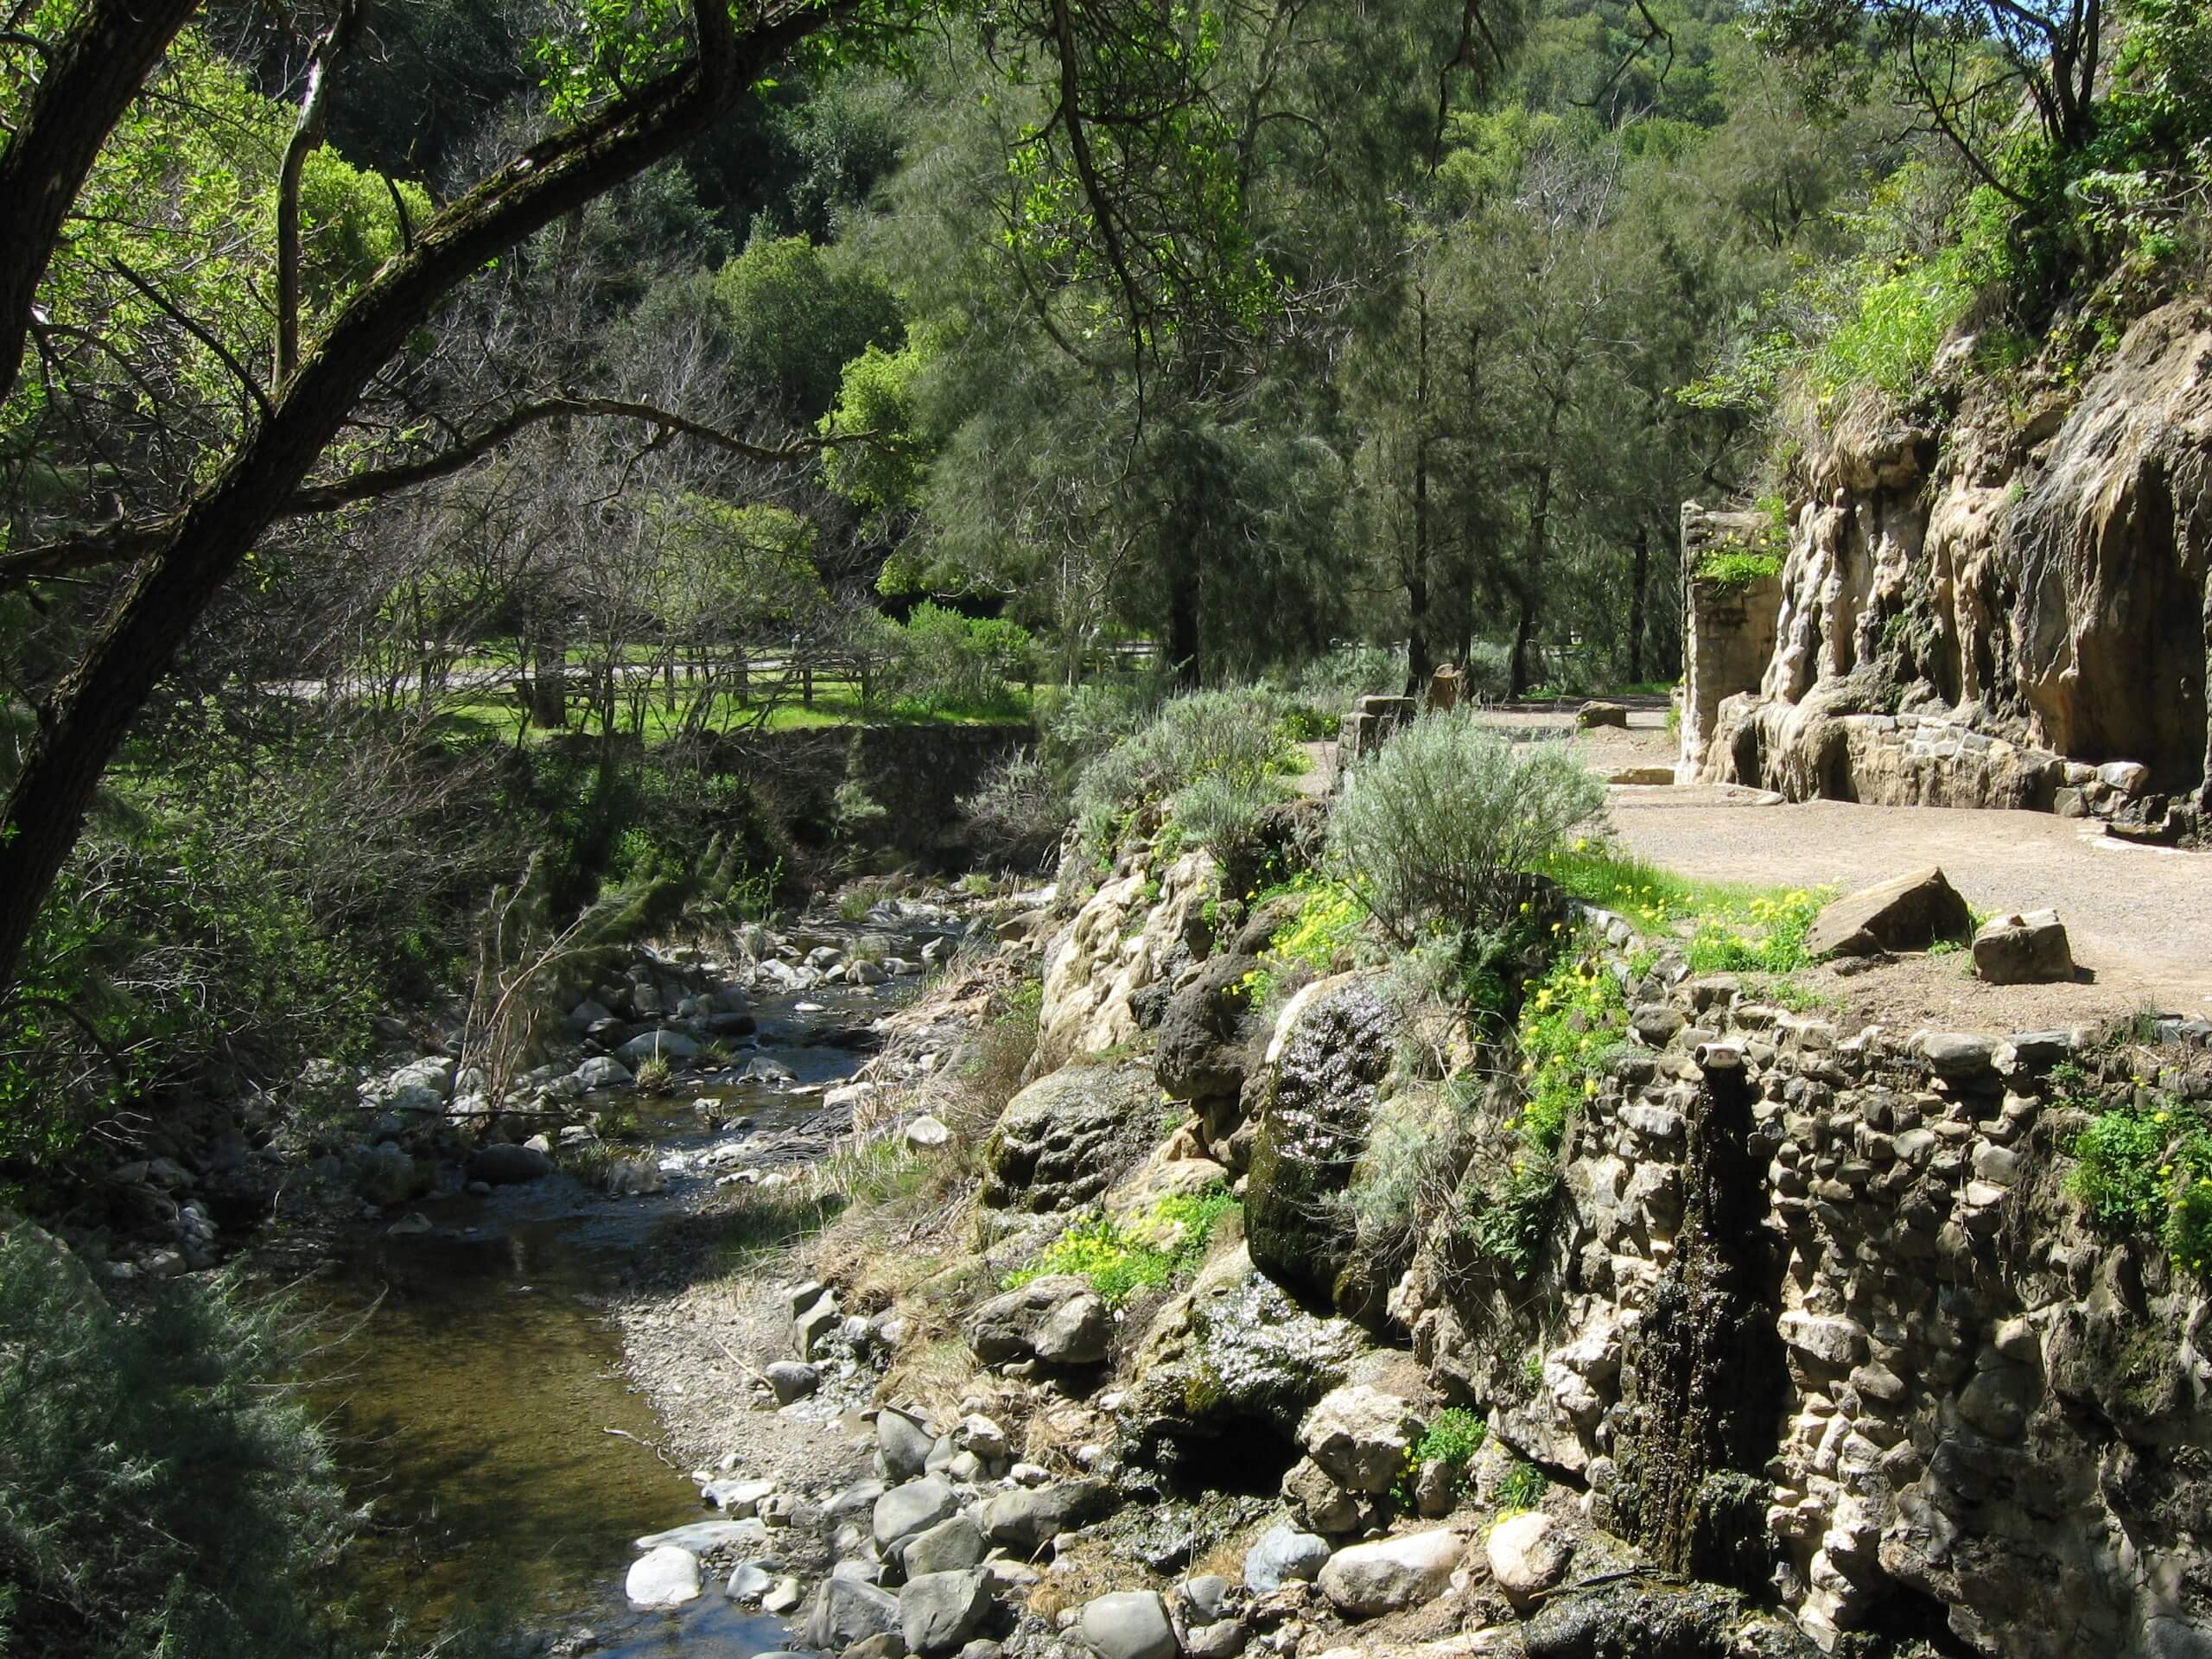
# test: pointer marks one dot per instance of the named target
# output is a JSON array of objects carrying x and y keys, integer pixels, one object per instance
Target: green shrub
[
  {"x": 1150, "y": 1253},
  {"x": 1451, "y": 1440},
  {"x": 1208, "y": 761},
  {"x": 1508, "y": 1226},
  {"x": 1325, "y": 929},
  {"x": 1017, "y": 813},
  {"x": 1433, "y": 829},
  {"x": 1078, "y": 724},
  {"x": 1490, "y": 670},
  {"x": 163, "y": 1494},
  {"x": 1414, "y": 1148},
  {"x": 1329, "y": 685},
  {"x": 944, "y": 663},
  {"x": 2148, "y": 1169},
  {"x": 1522, "y": 1488},
  {"x": 1738, "y": 568},
  {"x": 1571, "y": 1022}
]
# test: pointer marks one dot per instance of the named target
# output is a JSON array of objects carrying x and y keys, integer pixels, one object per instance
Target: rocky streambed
[{"x": 475, "y": 1380}]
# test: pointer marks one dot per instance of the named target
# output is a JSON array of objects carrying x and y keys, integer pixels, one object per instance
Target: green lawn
[{"x": 837, "y": 703}]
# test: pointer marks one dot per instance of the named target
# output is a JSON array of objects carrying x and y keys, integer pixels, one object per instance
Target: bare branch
[{"x": 307, "y": 136}]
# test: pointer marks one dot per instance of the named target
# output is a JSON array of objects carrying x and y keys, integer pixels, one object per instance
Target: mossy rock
[
  {"x": 1336, "y": 1049},
  {"x": 1237, "y": 1362},
  {"x": 1065, "y": 1139}
]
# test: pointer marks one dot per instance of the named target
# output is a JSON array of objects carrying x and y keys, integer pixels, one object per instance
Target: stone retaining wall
[{"x": 1995, "y": 1427}]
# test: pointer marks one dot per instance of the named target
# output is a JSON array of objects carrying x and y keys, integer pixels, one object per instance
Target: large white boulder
[{"x": 1392, "y": 1573}]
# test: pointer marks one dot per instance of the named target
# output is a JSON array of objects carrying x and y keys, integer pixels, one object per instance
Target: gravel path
[{"x": 2139, "y": 918}]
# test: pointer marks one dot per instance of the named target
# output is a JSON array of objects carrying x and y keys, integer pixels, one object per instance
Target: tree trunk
[
  {"x": 1524, "y": 629},
  {"x": 1418, "y": 663},
  {"x": 1639, "y": 579},
  {"x": 1183, "y": 620},
  {"x": 548, "y": 685},
  {"x": 90, "y": 713},
  {"x": 1530, "y": 576}
]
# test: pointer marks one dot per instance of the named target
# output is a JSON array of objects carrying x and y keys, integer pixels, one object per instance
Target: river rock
[
  {"x": 433, "y": 1072},
  {"x": 666, "y": 1577},
  {"x": 783, "y": 1597},
  {"x": 385, "y": 1173},
  {"x": 701, "y": 1536},
  {"x": 1333, "y": 1046},
  {"x": 1005, "y": 1327},
  {"x": 1066, "y": 1138},
  {"x": 814, "y": 1323},
  {"x": 603, "y": 1072},
  {"x": 1360, "y": 1435},
  {"x": 949, "y": 1547},
  {"x": 509, "y": 1165},
  {"x": 1024, "y": 1522},
  {"x": 1909, "y": 913},
  {"x": 1128, "y": 1624},
  {"x": 1529, "y": 1554},
  {"x": 1283, "y": 1553},
  {"x": 904, "y": 1440},
  {"x": 938, "y": 1612},
  {"x": 1076, "y": 1333},
  {"x": 1644, "y": 1618},
  {"x": 1365, "y": 1579},
  {"x": 845, "y": 1611},
  {"x": 905, "y": 1510},
  {"x": 749, "y": 1581},
  {"x": 791, "y": 1379},
  {"x": 1206, "y": 1036},
  {"x": 926, "y": 1133},
  {"x": 737, "y": 1499},
  {"x": 668, "y": 1046}
]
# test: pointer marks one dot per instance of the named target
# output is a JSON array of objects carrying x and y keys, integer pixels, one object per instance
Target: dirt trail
[{"x": 2140, "y": 918}]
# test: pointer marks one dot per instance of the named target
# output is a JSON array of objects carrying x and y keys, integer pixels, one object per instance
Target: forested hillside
[{"x": 480, "y": 478}]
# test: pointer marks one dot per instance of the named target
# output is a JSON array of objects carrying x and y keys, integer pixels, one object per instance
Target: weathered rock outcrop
[
  {"x": 1123, "y": 941},
  {"x": 1985, "y": 614}
]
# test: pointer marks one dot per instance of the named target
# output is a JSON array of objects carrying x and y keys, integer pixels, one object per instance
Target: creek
[{"x": 473, "y": 1381}]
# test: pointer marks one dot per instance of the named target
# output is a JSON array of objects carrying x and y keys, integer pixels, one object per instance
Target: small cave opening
[
  {"x": 1908, "y": 1621},
  {"x": 1246, "y": 1456}
]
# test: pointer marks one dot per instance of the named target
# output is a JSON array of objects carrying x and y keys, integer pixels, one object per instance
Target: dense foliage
[{"x": 160, "y": 1494}]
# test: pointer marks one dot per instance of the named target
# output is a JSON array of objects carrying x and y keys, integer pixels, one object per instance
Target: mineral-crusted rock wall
[
  {"x": 1727, "y": 626},
  {"x": 1995, "y": 1427},
  {"x": 2034, "y": 574}
]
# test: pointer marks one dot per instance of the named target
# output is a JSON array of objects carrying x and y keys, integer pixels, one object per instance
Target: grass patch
[
  {"x": 2146, "y": 1170},
  {"x": 1165, "y": 1243},
  {"x": 1571, "y": 1023},
  {"x": 1767, "y": 937},
  {"x": 1522, "y": 1490},
  {"x": 1452, "y": 1440}
]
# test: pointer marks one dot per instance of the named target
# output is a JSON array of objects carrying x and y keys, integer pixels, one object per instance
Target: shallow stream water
[{"x": 473, "y": 1386}]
